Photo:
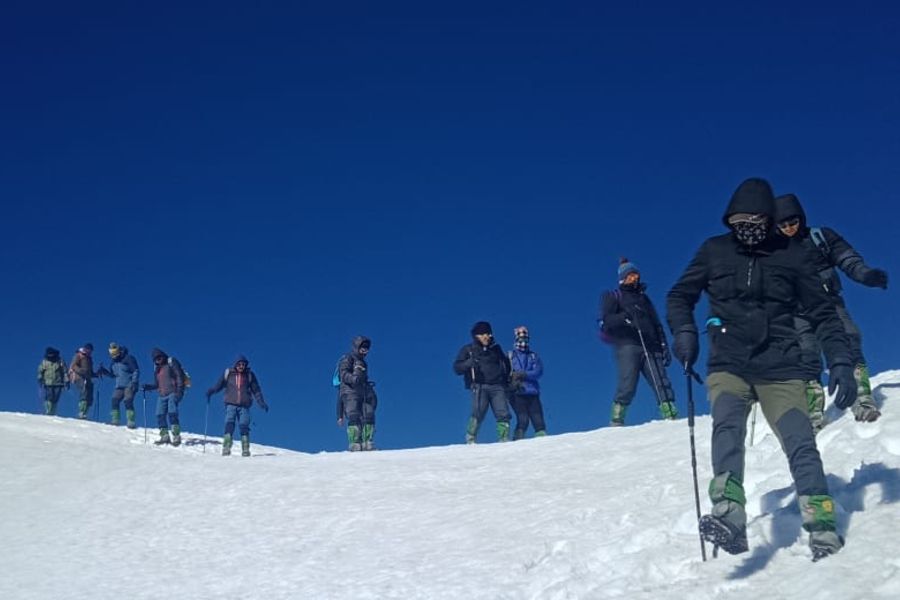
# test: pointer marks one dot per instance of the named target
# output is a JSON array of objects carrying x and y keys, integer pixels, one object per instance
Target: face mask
[{"x": 750, "y": 234}]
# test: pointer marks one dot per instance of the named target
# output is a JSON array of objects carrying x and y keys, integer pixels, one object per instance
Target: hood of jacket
[
  {"x": 788, "y": 206},
  {"x": 241, "y": 359},
  {"x": 358, "y": 341},
  {"x": 156, "y": 353},
  {"x": 51, "y": 354},
  {"x": 753, "y": 196}
]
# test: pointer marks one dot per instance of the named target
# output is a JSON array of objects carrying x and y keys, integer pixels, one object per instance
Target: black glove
[
  {"x": 263, "y": 406},
  {"x": 666, "y": 356},
  {"x": 145, "y": 387},
  {"x": 841, "y": 378},
  {"x": 876, "y": 278},
  {"x": 686, "y": 347}
]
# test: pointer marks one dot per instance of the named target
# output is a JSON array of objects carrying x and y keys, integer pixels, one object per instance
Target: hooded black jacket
[
  {"x": 354, "y": 381},
  {"x": 754, "y": 293},
  {"x": 835, "y": 253}
]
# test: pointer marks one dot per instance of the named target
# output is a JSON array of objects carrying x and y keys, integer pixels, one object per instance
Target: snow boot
[
  {"x": 368, "y": 435},
  {"x": 819, "y": 519},
  {"x": 864, "y": 409},
  {"x": 226, "y": 445},
  {"x": 824, "y": 543},
  {"x": 617, "y": 414},
  {"x": 163, "y": 437},
  {"x": 245, "y": 445},
  {"x": 503, "y": 431},
  {"x": 518, "y": 434},
  {"x": 815, "y": 399},
  {"x": 83, "y": 409},
  {"x": 354, "y": 438},
  {"x": 114, "y": 417},
  {"x": 176, "y": 434},
  {"x": 540, "y": 433},
  {"x": 668, "y": 411},
  {"x": 49, "y": 408},
  {"x": 726, "y": 526},
  {"x": 129, "y": 417},
  {"x": 471, "y": 430}
]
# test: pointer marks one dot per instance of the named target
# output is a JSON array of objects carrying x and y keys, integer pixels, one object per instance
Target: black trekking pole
[
  {"x": 145, "y": 416},
  {"x": 691, "y": 374},
  {"x": 650, "y": 363}
]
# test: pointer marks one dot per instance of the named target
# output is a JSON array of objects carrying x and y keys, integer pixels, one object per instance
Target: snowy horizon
[{"x": 94, "y": 512}]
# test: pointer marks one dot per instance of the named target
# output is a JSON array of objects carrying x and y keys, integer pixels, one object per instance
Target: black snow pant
[
  {"x": 527, "y": 407},
  {"x": 353, "y": 409},
  {"x": 631, "y": 361},
  {"x": 126, "y": 394},
  {"x": 784, "y": 406},
  {"x": 493, "y": 395}
]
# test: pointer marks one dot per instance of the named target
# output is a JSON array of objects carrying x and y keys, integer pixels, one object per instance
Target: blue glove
[{"x": 841, "y": 378}]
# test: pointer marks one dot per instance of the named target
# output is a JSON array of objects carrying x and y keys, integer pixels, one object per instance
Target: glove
[
  {"x": 68, "y": 385},
  {"x": 145, "y": 387},
  {"x": 666, "y": 356},
  {"x": 876, "y": 278},
  {"x": 686, "y": 347},
  {"x": 208, "y": 396},
  {"x": 340, "y": 422},
  {"x": 263, "y": 406},
  {"x": 841, "y": 380}
]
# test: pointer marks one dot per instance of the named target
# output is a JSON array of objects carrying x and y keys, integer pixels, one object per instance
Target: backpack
[
  {"x": 185, "y": 376},
  {"x": 602, "y": 333},
  {"x": 818, "y": 238},
  {"x": 336, "y": 378}
]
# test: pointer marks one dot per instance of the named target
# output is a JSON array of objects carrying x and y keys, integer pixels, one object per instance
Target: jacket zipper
[{"x": 750, "y": 271}]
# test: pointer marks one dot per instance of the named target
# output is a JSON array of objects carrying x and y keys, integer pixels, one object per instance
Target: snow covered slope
[{"x": 90, "y": 511}]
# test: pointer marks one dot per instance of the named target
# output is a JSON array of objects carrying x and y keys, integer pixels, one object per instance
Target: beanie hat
[
  {"x": 626, "y": 267},
  {"x": 481, "y": 327},
  {"x": 87, "y": 348},
  {"x": 50, "y": 352}
]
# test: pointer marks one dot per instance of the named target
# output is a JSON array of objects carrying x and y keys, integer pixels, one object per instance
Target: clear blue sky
[{"x": 275, "y": 178}]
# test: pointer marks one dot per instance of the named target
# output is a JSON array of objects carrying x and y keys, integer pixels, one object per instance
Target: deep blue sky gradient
[{"x": 274, "y": 178}]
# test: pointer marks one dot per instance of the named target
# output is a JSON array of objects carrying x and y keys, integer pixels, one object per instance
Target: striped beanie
[{"x": 626, "y": 267}]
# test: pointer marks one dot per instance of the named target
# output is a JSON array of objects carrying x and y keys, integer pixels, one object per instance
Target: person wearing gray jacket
[{"x": 51, "y": 376}]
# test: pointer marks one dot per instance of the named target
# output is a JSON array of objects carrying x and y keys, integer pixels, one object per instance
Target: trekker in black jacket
[
  {"x": 755, "y": 281},
  {"x": 629, "y": 322},
  {"x": 828, "y": 251},
  {"x": 485, "y": 369},
  {"x": 356, "y": 396}
]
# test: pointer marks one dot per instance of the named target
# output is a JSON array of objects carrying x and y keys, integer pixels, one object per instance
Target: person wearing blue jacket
[
  {"x": 124, "y": 369},
  {"x": 525, "y": 390}
]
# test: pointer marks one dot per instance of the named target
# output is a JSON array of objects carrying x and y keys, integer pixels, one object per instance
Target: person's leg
[
  {"x": 726, "y": 525},
  {"x": 784, "y": 405},
  {"x": 243, "y": 413},
  {"x": 518, "y": 404},
  {"x": 368, "y": 420},
  {"x": 228, "y": 438},
  {"x": 655, "y": 374},
  {"x": 115, "y": 403},
  {"x": 815, "y": 404},
  {"x": 629, "y": 361},
  {"x": 864, "y": 409},
  {"x": 162, "y": 410},
  {"x": 174, "y": 419},
  {"x": 499, "y": 400},
  {"x": 51, "y": 396},
  {"x": 129, "y": 407},
  {"x": 536, "y": 413},
  {"x": 479, "y": 409},
  {"x": 354, "y": 422}
]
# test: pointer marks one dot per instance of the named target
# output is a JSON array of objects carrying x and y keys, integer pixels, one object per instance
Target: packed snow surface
[{"x": 91, "y": 511}]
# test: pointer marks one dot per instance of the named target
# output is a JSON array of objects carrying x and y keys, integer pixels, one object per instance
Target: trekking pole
[
  {"x": 691, "y": 374},
  {"x": 651, "y": 364},
  {"x": 753, "y": 422},
  {"x": 97, "y": 402},
  {"x": 145, "y": 416}
]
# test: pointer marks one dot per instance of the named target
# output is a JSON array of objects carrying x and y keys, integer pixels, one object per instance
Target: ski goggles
[{"x": 752, "y": 218}]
